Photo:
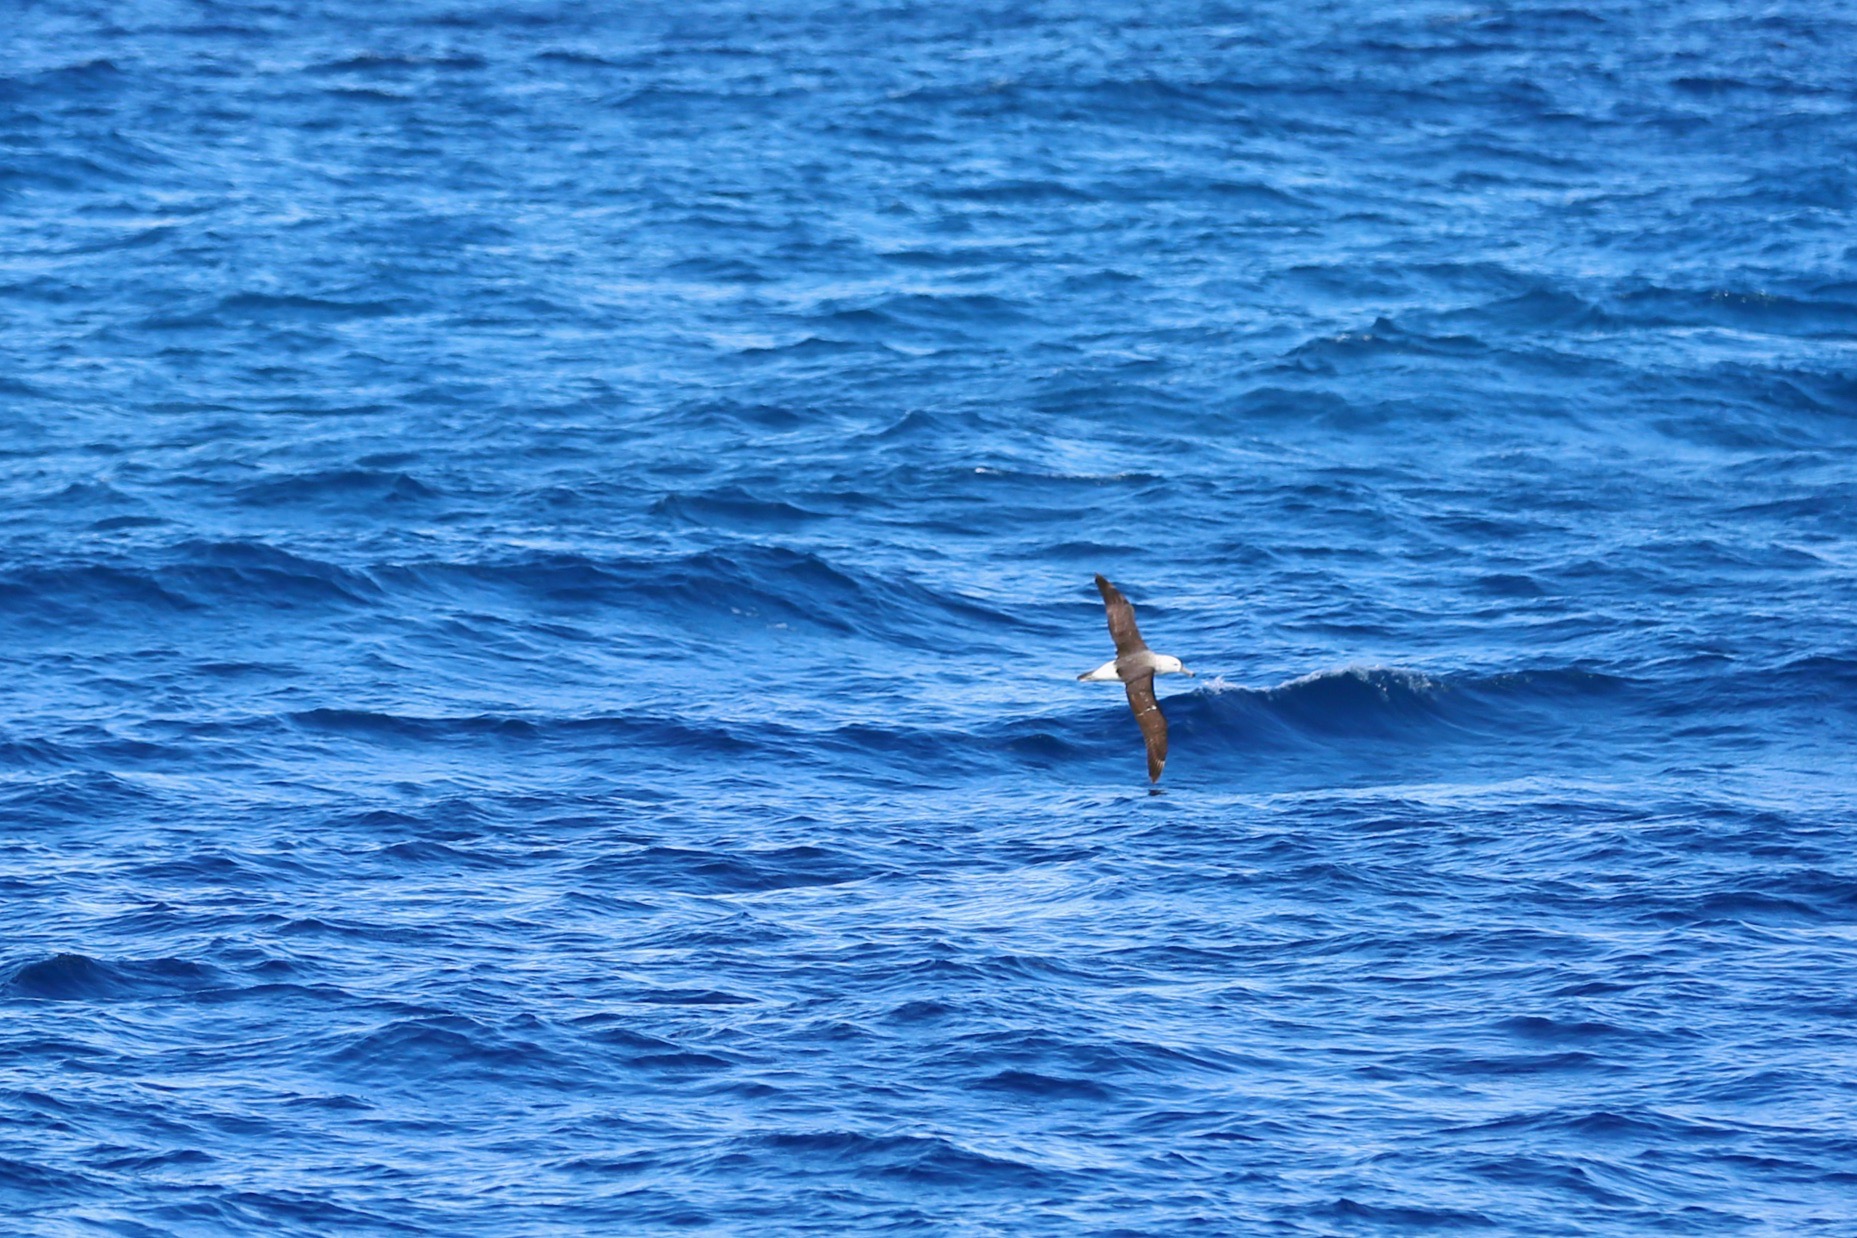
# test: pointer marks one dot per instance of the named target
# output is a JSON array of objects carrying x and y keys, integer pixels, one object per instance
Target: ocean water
[{"x": 545, "y": 549}]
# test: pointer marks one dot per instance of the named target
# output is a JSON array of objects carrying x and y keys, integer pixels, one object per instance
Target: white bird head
[{"x": 1167, "y": 664}]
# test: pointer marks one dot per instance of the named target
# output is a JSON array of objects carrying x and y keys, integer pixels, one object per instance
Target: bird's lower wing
[{"x": 1153, "y": 725}]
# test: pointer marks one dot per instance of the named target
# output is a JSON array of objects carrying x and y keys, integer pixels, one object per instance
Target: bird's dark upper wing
[
  {"x": 1153, "y": 725},
  {"x": 1121, "y": 619}
]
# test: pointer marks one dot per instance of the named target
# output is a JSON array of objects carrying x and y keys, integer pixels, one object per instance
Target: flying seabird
[{"x": 1135, "y": 667}]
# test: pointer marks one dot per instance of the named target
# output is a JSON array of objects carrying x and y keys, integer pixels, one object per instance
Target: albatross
[{"x": 1134, "y": 667}]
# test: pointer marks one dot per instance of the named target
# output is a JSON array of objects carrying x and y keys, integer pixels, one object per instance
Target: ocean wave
[
  {"x": 196, "y": 577},
  {"x": 770, "y": 586},
  {"x": 1340, "y": 725},
  {"x": 1361, "y": 702},
  {"x": 80, "y": 978}
]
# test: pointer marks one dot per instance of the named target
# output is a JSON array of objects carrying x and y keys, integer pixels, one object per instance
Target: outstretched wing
[
  {"x": 1153, "y": 725},
  {"x": 1121, "y": 620}
]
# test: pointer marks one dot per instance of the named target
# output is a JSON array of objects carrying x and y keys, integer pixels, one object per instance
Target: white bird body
[{"x": 1135, "y": 666}]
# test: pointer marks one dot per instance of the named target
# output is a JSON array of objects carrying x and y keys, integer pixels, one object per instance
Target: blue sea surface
[{"x": 546, "y": 546}]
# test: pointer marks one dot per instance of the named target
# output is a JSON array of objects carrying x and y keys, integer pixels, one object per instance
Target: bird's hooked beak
[{"x": 1187, "y": 673}]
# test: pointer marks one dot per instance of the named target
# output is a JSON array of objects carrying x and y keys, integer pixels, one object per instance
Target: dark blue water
[{"x": 545, "y": 549}]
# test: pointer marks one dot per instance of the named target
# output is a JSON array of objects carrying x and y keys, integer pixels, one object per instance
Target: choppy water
[{"x": 545, "y": 549}]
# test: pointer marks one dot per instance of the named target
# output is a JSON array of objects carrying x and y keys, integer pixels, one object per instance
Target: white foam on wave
[{"x": 1379, "y": 677}]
